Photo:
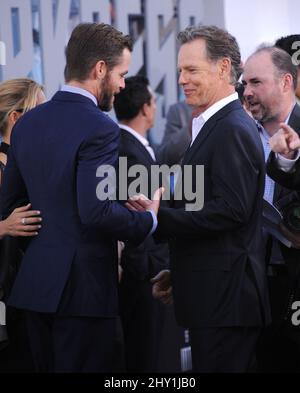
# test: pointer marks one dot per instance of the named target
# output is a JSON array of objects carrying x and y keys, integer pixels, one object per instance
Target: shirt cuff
[
  {"x": 286, "y": 164},
  {"x": 154, "y": 226}
]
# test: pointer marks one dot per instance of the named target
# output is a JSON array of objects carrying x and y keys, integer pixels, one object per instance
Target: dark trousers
[
  {"x": 277, "y": 352},
  {"x": 74, "y": 344},
  {"x": 279, "y": 344},
  {"x": 142, "y": 319},
  {"x": 224, "y": 350},
  {"x": 16, "y": 356}
]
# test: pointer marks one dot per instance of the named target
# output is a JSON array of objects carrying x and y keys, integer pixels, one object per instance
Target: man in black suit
[
  {"x": 217, "y": 269},
  {"x": 270, "y": 81},
  {"x": 142, "y": 315}
]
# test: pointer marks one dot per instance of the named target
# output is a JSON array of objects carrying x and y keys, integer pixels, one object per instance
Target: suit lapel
[
  {"x": 277, "y": 192},
  {"x": 208, "y": 128},
  {"x": 138, "y": 145},
  {"x": 203, "y": 134}
]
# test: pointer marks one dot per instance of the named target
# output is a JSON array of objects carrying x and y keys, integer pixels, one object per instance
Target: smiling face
[
  {"x": 199, "y": 76},
  {"x": 263, "y": 88}
]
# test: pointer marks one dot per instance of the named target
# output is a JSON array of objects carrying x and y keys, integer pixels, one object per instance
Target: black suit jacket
[
  {"x": 288, "y": 180},
  {"x": 217, "y": 266},
  {"x": 146, "y": 260},
  {"x": 285, "y": 184},
  {"x": 283, "y": 195}
]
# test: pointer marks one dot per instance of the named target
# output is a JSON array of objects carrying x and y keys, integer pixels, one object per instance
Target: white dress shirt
[
  {"x": 286, "y": 164},
  {"x": 199, "y": 121}
]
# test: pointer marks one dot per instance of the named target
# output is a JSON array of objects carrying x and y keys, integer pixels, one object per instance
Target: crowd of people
[{"x": 85, "y": 280}]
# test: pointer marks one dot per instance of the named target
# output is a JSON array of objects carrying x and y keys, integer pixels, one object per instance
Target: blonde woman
[{"x": 17, "y": 96}]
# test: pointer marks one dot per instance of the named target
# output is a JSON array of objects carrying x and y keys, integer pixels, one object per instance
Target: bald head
[
  {"x": 281, "y": 61},
  {"x": 270, "y": 80}
]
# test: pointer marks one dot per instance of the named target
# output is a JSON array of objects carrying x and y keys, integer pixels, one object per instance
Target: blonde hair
[{"x": 20, "y": 95}]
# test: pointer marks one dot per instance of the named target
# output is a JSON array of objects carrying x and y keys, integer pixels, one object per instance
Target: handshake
[{"x": 140, "y": 203}]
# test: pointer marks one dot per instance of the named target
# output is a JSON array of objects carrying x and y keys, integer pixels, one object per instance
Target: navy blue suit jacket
[{"x": 71, "y": 266}]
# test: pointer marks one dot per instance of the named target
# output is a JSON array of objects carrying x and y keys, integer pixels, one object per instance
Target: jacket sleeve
[
  {"x": 289, "y": 180},
  {"x": 96, "y": 190}
]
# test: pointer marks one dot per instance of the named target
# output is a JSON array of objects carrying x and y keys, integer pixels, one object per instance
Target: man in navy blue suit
[{"x": 67, "y": 283}]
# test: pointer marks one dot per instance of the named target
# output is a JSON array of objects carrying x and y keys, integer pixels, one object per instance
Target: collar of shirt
[
  {"x": 144, "y": 141},
  {"x": 199, "y": 121},
  {"x": 262, "y": 131},
  {"x": 79, "y": 90}
]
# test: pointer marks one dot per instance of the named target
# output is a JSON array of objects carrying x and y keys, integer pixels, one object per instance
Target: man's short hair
[
  {"x": 281, "y": 60},
  {"x": 91, "y": 42},
  {"x": 219, "y": 44},
  {"x": 287, "y": 44},
  {"x": 132, "y": 98}
]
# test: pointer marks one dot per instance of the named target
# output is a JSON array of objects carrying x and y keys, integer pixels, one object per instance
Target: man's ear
[
  {"x": 100, "y": 69},
  {"x": 287, "y": 82},
  {"x": 145, "y": 109},
  {"x": 224, "y": 67}
]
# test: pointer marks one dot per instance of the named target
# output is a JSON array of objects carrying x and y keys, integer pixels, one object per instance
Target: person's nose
[
  {"x": 248, "y": 92},
  {"x": 122, "y": 84},
  {"x": 182, "y": 80}
]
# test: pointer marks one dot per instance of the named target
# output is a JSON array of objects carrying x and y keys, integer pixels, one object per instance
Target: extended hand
[
  {"x": 162, "y": 288},
  {"x": 285, "y": 142},
  {"x": 22, "y": 222},
  {"x": 141, "y": 203}
]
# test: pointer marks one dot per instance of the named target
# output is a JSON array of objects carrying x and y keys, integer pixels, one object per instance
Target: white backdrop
[{"x": 153, "y": 24}]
